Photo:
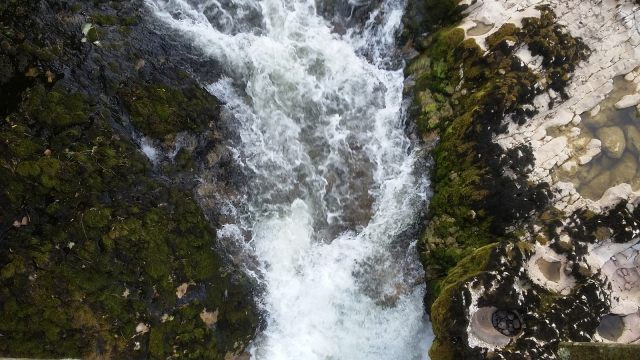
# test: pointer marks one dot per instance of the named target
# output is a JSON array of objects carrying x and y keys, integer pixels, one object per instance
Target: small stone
[
  {"x": 506, "y": 332},
  {"x": 628, "y": 101},
  {"x": 624, "y": 271},
  {"x": 516, "y": 324},
  {"x": 502, "y": 325},
  {"x": 511, "y": 316},
  {"x": 511, "y": 329},
  {"x": 47, "y": 152},
  {"x": 17, "y": 224},
  {"x": 142, "y": 328},
  {"x": 25, "y": 220}
]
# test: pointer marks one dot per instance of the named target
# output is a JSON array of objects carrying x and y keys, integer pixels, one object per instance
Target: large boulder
[{"x": 613, "y": 142}]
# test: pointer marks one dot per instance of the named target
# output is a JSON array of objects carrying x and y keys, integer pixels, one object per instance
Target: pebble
[
  {"x": 506, "y": 322},
  {"x": 625, "y": 272},
  {"x": 516, "y": 324}
]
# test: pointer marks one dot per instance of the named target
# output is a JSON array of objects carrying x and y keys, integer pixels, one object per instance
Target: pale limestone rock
[
  {"x": 209, "y": 317},
  {"x": 592, "y": 149},
  {"x": 550, "y": 150},
  {"x": 569, "y": 168},
  {"x": 613, "y": 142},
  {"x": 628, "y": 101},
  {"x": 576, "y": 120},
  {"x": 182, "y": 289},
  {"x": 142, "y": 328},
  {"x": 614, "y": 195}
]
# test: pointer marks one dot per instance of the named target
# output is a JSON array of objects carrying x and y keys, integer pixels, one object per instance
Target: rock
[
  {"x": 596, "y": 120},
  {"x": 47, "y": 152},
  {"x": 502, "y": 325},
  {"x": 597, "y": 186},
  {"x": 550, "y": 150},
  {"x": 516, "y": 324},
  {"x": 142, "y": 328},
  {"x": 25, "y": 221},
  {"x": 613, "y": 142},
  {"x": 628, "y": 101},
  {"x": 632, "y": 137},
  {"x": 587, "y": 173},
  {"x": 592, "y": 149},
  {"x": 209, "y": 317},
  {"x": 625, "y": 170}
]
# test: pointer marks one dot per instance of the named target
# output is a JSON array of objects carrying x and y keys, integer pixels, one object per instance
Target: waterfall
[{"x": 332, "y": 195}]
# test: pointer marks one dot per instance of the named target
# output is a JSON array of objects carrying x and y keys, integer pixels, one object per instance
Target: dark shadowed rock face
[{"x": 95, "y": 239}]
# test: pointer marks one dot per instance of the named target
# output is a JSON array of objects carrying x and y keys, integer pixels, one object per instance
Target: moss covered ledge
[{"x": 482, "y": 195}]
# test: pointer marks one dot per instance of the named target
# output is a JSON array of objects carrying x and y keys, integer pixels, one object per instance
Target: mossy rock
[
  {"x": 105, "y": 245},
  {"x": 158, "y": 110}
]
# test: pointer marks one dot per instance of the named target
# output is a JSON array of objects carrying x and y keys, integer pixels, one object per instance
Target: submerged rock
[
  {"x": 613, "y": 141},
  {"x": 632, "y": 137}
]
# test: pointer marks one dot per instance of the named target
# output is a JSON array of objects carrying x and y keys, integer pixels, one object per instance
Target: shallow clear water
[{"x": 332, "y": 198}]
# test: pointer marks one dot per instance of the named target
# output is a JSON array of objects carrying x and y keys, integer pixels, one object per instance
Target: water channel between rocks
[{"x": 332, "y": 197}]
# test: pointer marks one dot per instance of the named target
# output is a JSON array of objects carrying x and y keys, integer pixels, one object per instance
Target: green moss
[
  {"x": 28, "y": 169},
  {"x": 92, "y": 35},
  {"x": 159, "y": 111},
  {"x": 86, "y": 242},
  {"x": 470, "y": 266},
  {"x": 104, "y": 19},
  {"x": 506, "y": 32}
]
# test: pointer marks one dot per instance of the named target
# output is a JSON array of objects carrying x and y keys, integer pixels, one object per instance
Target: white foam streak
[{"x": 331, "y": 189}]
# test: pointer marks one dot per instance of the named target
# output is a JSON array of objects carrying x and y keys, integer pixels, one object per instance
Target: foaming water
[{"x": 331, "y": 197}]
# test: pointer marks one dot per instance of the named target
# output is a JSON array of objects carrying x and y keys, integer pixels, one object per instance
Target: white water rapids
[{"x": 332, "y": 197}]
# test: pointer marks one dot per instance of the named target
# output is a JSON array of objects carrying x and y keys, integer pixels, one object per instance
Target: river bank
[
  {"x": 504, "y": 87},
  {"x": 104, "y": 251}
]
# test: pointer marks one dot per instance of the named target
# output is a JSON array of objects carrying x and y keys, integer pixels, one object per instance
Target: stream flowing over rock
[{"x": 332, "y": 196}]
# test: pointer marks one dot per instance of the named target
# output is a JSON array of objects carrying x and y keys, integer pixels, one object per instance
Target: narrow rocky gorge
[{"x": 444, "y": 179}]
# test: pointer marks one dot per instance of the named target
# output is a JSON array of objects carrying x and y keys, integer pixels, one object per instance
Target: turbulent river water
[{"x": 332, "y": 194}]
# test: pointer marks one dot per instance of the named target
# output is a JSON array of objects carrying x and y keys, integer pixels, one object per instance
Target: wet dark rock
[{"x": 102, "y": 218}]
